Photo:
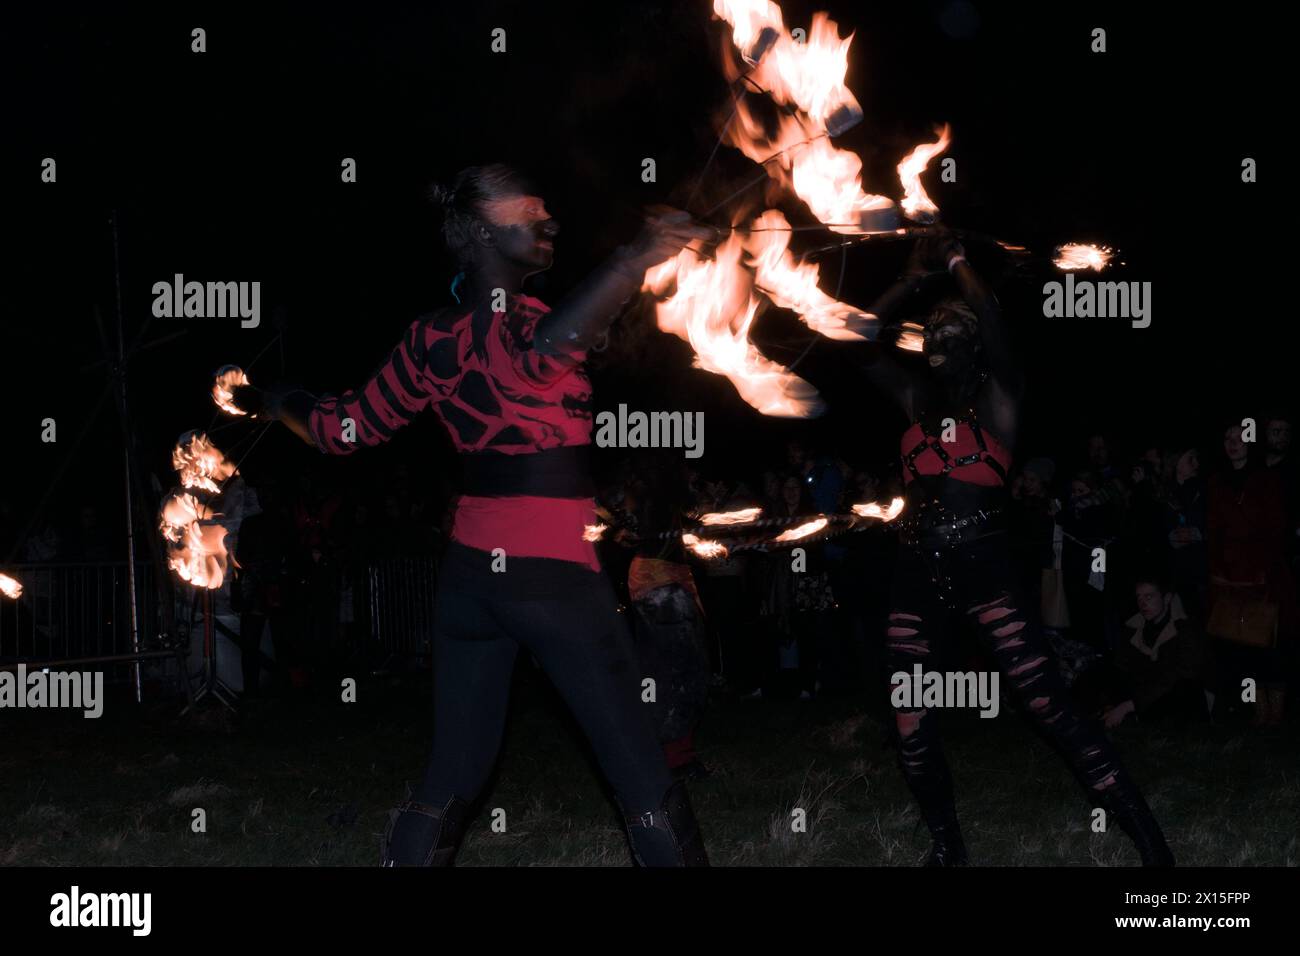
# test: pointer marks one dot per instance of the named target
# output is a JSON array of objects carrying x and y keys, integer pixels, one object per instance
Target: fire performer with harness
[{"x": 954, "y": 555}]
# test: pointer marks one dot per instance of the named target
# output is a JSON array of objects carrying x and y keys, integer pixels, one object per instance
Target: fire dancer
[
  {"x": 505, "y": 375},
  {"x": 954, "y": 552}
]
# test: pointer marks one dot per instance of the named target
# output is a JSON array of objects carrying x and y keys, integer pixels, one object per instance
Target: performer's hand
[
  {"x": 249, "y": 400},
  {"x": 664, "y": 234},
  {"x": 937, "y": 250}
]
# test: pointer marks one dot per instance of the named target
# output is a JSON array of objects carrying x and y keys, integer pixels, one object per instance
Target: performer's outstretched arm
[
  {"x": 992, "y": 329},
  {"x": 585, "y": 313},
  {"x": 338, "y": 425}
]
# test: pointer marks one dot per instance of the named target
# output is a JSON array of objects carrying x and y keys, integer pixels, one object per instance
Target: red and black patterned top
[{"x": 479, "y": 372}]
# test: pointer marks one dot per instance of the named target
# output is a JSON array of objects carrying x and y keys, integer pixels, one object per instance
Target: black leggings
[
  {"x": 582, "y": 643},
  {"x": 979, "y": 581}
]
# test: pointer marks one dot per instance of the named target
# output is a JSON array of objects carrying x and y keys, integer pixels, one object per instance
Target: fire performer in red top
[
  {"x": 505, "y": 375},
  {"x": 954, "y": 553}
]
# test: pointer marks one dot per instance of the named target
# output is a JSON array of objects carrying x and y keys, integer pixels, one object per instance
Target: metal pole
[{"x": 126, "y": 462}]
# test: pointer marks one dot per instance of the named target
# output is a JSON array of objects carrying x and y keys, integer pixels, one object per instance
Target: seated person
[{"x": 1163, "y": 668}]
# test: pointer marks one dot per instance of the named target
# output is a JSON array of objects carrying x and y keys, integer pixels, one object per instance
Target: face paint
[{"x": 949, "y": 347}]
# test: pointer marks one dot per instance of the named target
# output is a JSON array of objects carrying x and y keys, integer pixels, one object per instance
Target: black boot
[
  {"x": 948, "y": 848},
  {"x": 934, "y": 796},
  {"x": 1124, "y": 804},
  {"x": 420, "y": 835},
  {"x": 668, "y": 835}
]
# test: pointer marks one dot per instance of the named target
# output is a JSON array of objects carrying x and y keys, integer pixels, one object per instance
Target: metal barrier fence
[
  {"x": 401, "y": 607},
  {"x": 77, "y": 612}
]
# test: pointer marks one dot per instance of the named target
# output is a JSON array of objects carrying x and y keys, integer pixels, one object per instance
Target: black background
[{"x": 225, "y": 166}]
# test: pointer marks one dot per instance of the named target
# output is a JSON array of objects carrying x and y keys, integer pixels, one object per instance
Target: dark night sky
[{"x": 225, "y": 166}]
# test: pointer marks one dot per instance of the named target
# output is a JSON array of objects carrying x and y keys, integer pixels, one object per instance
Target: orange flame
[
  {"x": 748, "y": 18},
  {"x": 705, "y": 549},
  {"x": 742, "y": 516},
  {"x": 10, "y": 587},
  {"x": 1079, "y": 255},
  {"x": 196, "y": 543},
  {"x": 199, "y": 462},
  {"x": 912, "y": 337},
  {"x": 793, "y": 285},
  {"x": 712, "y": 309},
  {"x": 874, "y": 510},
  {"x": 916, "y": 204},
  {"x": 227, "y": 378},
  {"x": 594, "y": 532},
  {"x": 802, "y": 531}
]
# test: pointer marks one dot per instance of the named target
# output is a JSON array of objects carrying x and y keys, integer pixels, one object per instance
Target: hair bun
[{"x": 441, "y": 195}]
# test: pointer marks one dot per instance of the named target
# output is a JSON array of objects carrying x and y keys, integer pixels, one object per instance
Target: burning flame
[
  {"x": 227, "y": 378},
  {"x": 1079, "y": 255},
  {"x": 705, "y": 549},
  {"x": 911, "y": 338},
  {"x": 199, "y": 462},
  {"x": 10, "y": 587},
  {"x": 594, "y": 532},
  {"x": 179, "y": 510},
  {"x": 916, "y": 204},
  {"x": 743, "y": 516},
  {"x": 793, "y": 285},
  {"x": 748, "y": 19},
  {"x": 712, "y": 309},
  {"x": 873, "y": 510},
  {"x": 196, "y": 543},
  {"x": 802, "y": 531}
]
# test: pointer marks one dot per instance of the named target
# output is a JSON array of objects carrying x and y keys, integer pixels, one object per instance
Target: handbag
[{"x": 1243, "y": 614}]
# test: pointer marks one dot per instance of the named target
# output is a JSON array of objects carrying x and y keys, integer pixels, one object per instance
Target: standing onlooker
[{"x": 1252, "y": 599}]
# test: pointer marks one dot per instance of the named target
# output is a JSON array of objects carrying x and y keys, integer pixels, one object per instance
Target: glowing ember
[
  {"x": 594, "y": 532},
  {"x": 873, "y": 510},
  {"x": 916, "y": 204},
  {"x": 705, "y": 549},
  {"x": 199, "y": 462},
  {"x": 911, "y": 338},
  {"x": 712, "y": 309},
  {"x": 802, "y": 531},
  {"x": 1079, "y": 255},
  {"x": 10, "y": 588},
  {"x": 731, "y": 517},
  {"x": 793, "y": 285},
  {"x": 227, "y": 378}
]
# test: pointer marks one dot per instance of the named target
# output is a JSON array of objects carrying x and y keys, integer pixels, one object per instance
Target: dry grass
[{"x": 311, "y": 785}]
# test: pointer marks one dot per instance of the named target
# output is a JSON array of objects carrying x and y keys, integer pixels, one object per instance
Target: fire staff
[
  {"x": 505, "y": 375},
  {"x": 954, "y": 556}
]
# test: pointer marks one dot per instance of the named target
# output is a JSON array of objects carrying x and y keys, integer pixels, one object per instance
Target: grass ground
[{"x": 309, "y": 784}]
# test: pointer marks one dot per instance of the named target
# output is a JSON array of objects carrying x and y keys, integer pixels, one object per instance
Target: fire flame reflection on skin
[
  {"x": 1080, "y": 255},
  {"x": 10, "y": 587},
  {"x": 227, "y": 378},
  {"x": 874, "y": 510}
]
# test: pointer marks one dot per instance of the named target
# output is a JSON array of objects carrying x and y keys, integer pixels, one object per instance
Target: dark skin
[
  {"x": 966, "y": 369},
  {"x": 521, "y": 243}
]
